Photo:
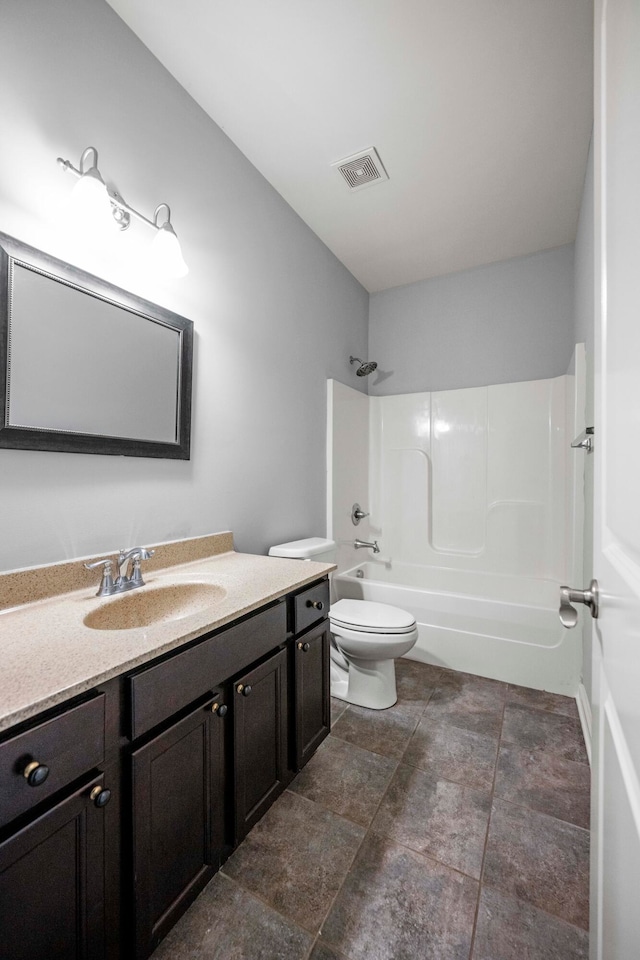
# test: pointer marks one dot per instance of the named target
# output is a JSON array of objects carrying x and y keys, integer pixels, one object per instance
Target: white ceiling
[{"x": 481, "y": 112}]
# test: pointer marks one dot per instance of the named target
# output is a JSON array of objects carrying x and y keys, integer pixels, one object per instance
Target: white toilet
[{"x": 366, "y": 636}]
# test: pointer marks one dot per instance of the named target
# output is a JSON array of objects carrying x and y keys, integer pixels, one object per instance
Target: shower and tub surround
[
  {"x": 473, "y": 495},
  {"x": 493, "y": 625}
]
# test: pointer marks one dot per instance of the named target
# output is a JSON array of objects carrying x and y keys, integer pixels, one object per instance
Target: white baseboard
[{"x": 584, "y": 710}]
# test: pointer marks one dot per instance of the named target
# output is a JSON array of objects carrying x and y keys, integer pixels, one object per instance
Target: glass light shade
[
  {"x": 166, "y": 252},
  {"x": 90, "y": 203}
]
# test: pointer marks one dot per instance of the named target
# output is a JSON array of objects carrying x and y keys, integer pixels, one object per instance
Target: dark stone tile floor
[{"x": 453, "y": 826}]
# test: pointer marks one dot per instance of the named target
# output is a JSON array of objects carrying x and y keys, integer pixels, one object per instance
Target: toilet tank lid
[{"x": 302, "y": 549}]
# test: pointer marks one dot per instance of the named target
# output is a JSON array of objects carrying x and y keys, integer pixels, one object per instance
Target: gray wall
[
  {"x": 584, "y": 333},
  {"x": 275, "y": 313},
  {"x": 500, "y": 323}
]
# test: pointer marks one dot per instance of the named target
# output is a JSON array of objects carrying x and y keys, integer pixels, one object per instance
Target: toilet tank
[{"x": 313, "y": 548}]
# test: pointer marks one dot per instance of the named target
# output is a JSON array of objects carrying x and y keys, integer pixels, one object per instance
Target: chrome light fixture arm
[
  {"x": 116, "y": 200},
  {"x": 123, "y": 212}
]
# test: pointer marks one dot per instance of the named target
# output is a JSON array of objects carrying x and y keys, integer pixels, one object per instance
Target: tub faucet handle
[{"x": 357, "y": 514}]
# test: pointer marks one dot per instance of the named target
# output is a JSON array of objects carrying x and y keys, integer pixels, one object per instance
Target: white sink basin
[{"x": 147, "y": 606}]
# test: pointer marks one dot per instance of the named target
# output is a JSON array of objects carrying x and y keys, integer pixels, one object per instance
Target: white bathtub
[{"x": 492, "y": 625}]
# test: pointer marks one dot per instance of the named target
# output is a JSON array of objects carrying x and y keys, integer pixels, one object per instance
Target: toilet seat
[{"x": 368, "y": 617}]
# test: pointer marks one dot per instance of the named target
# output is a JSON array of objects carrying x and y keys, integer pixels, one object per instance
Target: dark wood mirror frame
[{"x": 28, "y": 438}]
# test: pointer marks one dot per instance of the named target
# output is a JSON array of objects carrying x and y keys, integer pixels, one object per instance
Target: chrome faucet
[
  {"x": 364, "y": 543},
  {"x": 123, "y": 581},
  {"x": 134, "y": 577}
]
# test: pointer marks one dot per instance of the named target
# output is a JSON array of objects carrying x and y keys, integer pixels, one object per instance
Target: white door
[{"x": 615, "y": 907}]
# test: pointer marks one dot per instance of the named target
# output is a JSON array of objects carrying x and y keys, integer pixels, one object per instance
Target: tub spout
[{"x": 364, "y": 543}]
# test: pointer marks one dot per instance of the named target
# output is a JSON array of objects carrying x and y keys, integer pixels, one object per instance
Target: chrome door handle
[
  {"x": 590, "y": 597},
  {"x": 584, "y": 441}
]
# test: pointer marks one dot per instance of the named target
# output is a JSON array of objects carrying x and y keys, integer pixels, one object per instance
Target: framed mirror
[{"x": 86, "y": 367}]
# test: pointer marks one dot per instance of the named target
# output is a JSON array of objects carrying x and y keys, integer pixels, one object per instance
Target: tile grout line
[
  {"x": 541, "y": 813},
  {"x": 269, "y": 906},
  {"x": 367, "y": 828},
  {"x": 486, "y": 839},
  {"x": 318, "y": 933},
  {"x": 494, "y": 796},
  {"x": 422, "y": 855}
]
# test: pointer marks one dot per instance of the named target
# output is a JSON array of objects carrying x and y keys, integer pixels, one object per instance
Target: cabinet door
[
  {"x": 52, "y": 884},
  {"x": 178, "y": 819},
  {"x": 312, "y": 692},
  {"x": 260, "y": 738}
]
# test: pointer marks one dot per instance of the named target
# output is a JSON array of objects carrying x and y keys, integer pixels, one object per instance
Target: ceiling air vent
[{"x": 362, "y": 169}]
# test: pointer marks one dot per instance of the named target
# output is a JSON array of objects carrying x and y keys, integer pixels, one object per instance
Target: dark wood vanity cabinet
[
  {"x": 312, "y": 692},
  {"x": 52, "y": 882},
  {"x": 193, "y": 748},
  {"x": 260, "y": 737},
  {"x": 179, "y": 819},
  {"x": 58, "y": 831}
]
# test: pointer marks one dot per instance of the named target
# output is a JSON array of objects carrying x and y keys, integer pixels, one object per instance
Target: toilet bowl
[{"x": 366, "y": 637}]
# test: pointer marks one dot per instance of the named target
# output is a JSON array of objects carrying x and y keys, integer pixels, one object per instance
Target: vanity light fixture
[
  {"x": 90, "y": 197},
  {"x": 96, "y": 199}
]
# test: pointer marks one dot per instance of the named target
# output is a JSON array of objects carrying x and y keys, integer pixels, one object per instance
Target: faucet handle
[
  {"x": 106, "y": 584},
  {"x": 134, "y": 579},
  {"x": 141, "y": 552},
  {"x": 357, "y": 514}
]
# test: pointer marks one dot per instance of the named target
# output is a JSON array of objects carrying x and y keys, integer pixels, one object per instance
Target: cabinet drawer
[
  {"x": 311, "y": 606},
  {"x": 159, "y": 692},
  {"x": 68, "y": 745}
]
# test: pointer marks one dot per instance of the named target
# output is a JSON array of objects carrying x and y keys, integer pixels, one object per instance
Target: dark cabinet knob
[
  {"x": 316, "y": 604},
  {"x": 100, "y": 796},
  {"x": 219, "y": 708},
  {"x": 304, "y": 647},
  {"x": 244, "y": 689},
  {"x": 35, "y": 773}
]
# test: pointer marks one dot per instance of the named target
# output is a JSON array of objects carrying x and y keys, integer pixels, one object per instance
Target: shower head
[{"x": 366, "y": 367}]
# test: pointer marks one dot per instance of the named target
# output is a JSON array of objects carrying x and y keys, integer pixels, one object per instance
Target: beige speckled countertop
[{"x": 48, "y": 655}]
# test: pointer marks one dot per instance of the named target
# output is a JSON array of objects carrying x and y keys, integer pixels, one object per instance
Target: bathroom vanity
[{"x": 118, "y": 804}]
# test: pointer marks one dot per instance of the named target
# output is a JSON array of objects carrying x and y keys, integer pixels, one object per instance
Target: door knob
[
  {"x": 304, "y": 647},
  {"x": 244, "y": 689},
  {"x": 569, "y": 614},
  {"x": 584, "y": 441}
]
